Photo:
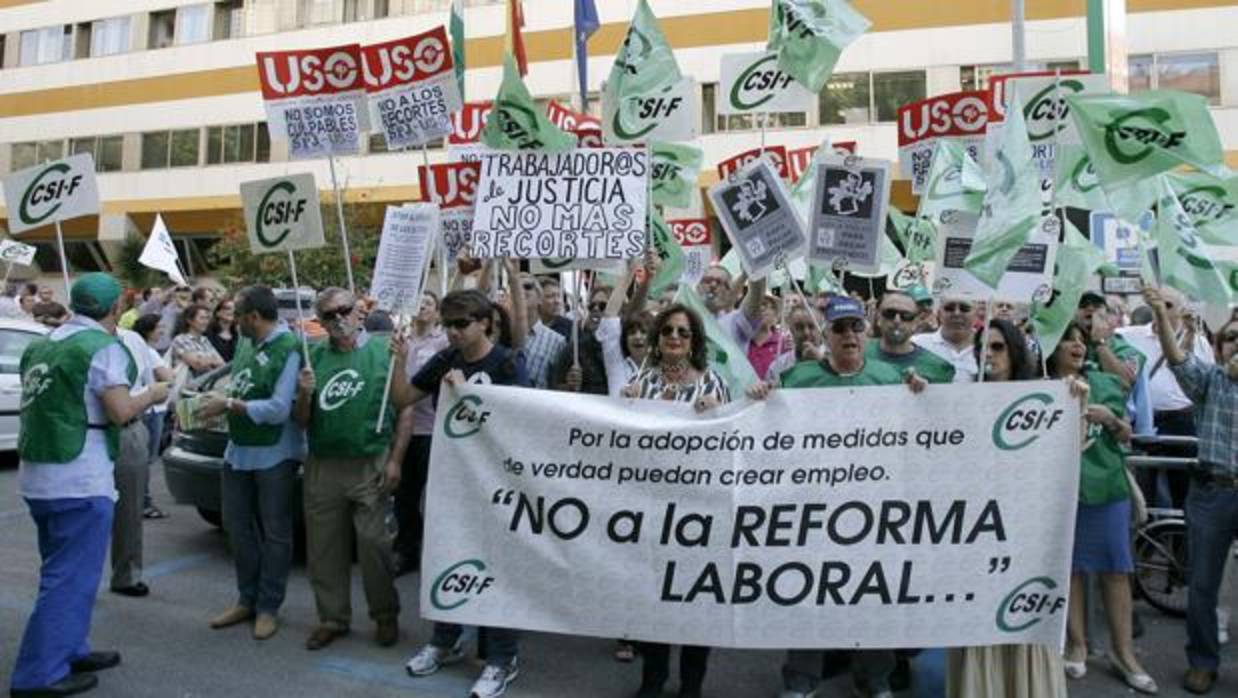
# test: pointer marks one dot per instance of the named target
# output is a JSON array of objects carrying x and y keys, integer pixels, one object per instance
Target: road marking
[
  {"x": 176, "y": 564},
  {"x": 443, "y": 684}
]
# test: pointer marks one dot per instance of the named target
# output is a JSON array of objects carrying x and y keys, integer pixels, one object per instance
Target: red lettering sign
[
  {"x": 589, "y": 138},
  {"x": 954, "y": 114},
  {"x": 468, "y": 122},
  {"x": 405, "y": 61},
  {"x": 310, "y": 72},
  {"x": 690, "y": 231},
  {"x": 776, "y": 154},
  {"x": 450, "y": 184},
  {"x": 569, "y": 120}
]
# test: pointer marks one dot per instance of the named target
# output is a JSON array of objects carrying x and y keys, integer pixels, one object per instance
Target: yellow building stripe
[
  {"x": 683, "y": 32},
  {"x": 14, "y": 3}
]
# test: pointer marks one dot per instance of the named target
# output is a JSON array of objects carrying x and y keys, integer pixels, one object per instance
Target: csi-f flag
[
  {"x": 1210, "y": 202},
  {"x": 810, "y": 35},
  {"x": 645, "y": 96},
  {"x": 455, "y": 27},
  {"x": 918, "y": 237},
  {"x": 669, "y": 253},
  {"x": 160, "y": 254},
  {"x": 645, "y": 62},
  {"x": 955, "y": 182},
  {"x": 724, "y": 355},
  {"x": 674, "y": 175},
  {"x": 1012, "y": 204},
  {"x": 1201, "y": 266},
  {"x": 516, "y": 123},
  {"x": 1077, "y": 260},
  {"x": 586, "y": 23}
]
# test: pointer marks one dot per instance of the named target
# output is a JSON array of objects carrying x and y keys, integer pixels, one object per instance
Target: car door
[{"x": 12, "y": 343}]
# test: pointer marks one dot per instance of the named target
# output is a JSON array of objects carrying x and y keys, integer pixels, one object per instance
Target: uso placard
[
  {"x": 412, "y": 88},
  {"x": 315, "y": 99},
  {"x": 960, "y": 116}
]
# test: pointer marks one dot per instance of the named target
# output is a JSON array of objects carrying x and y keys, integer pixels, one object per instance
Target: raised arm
[{"x": 1164, "y": 327}]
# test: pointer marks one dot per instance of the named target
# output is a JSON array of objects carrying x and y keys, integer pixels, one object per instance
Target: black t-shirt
[
  {"x": 592, "y": 366},
  {"x": 501, "y": 366}
]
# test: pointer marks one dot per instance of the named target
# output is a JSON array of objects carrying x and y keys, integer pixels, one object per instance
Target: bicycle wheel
[{"x": 1161, "y": 565}]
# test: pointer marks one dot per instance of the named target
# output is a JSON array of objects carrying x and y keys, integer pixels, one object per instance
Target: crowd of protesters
[{"x": 365, "y": 451}]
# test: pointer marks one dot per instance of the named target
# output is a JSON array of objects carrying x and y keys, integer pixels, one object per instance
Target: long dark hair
[
  {"x": 697, "y": 357},
  {"x": 632, "y": 324},
  {"x": 1022, "y": 365},
  {"x": 188, "y": 314},
  {"x": 215, "y": 325},
  {"x": 1051, "y": 362}
]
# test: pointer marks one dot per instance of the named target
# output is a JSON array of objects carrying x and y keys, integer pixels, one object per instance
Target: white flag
[{"x": 160, "y": 253}]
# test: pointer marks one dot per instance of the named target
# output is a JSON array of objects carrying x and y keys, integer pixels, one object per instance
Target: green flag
[
  {"x": 1077, "y": 260},
  {"x": 1199, "y": 264},
  {"x": 918, "y": 237},
  {"x": 669, "y": 251},
  {"x": 1210, "y": 202},
  {"x": 675, "y": 170},
  {"x": 517, "y": 123},
  {"x": 1075, "y": 183},
  {"x": 955, "y": 182},
  {"x": 1132, "y": 138},
  {"x": 725, "y": 356},
  {"x": 1012, "y": 205},
  {"x": 456, "y": 27},
  {"x": 810, "y": 35},
  {"x": 645, "y": 62}
]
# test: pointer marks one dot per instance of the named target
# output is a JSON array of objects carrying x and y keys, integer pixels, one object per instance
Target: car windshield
[{"x": 12, "y": 344}]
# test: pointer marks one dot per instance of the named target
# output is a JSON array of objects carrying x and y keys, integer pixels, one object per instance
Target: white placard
[
  {"x": 14, "y": 252},
  {"x": 282, "y": 214},
  {"x": 669, "y": 115},
  {"x": 403, "y": 253},
  {"x": 581, "y": 203},
  {"x": 847, "y": 518},
  {"x": 757, "y": 215},
  {"x": 51, "y": 192},
  {"x": 315, "y": 99},
  {"x": 752, "y": 82},
  {"x": 1027, "y": 277},
  {"x": 849, "y": 210}
]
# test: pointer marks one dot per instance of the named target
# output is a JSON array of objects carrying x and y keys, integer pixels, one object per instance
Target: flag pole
[
  {"x": 296, "y": 292},
  {"x": 64, "y": 262},
  {"x": 984, "y": 338},
  {"x": 339, "y": 214},
  {"x": 812, "y": 314}
]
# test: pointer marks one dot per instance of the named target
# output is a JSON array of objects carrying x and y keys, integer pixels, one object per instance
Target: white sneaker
[
  {"x": 494, "y": 679},
  {"x": 430, "y": 659}
]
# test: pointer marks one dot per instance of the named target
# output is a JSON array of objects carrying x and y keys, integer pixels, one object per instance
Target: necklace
[{"x": 675, "y": 372}]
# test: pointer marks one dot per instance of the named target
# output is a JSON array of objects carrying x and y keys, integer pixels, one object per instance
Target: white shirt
[
  {"x": 147, "y": 360},
  {"x": 620, "y": 370},
  {"x": 90, "y": 474},
  {"x": 1163, "y": 388},
  {"x": 963, "y": 360}
]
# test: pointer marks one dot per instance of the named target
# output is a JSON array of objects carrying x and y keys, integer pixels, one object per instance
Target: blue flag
[{"x": 586, "y": 23}]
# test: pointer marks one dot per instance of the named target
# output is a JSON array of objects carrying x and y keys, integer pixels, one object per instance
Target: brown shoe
[
  {"x": 265, "y": 626},
  {"x": 324, "y": 635},
  {"x": 1199, "y": 680},
  {"x": 387, "y": 633},
  {"x": 232, "y": 616}
]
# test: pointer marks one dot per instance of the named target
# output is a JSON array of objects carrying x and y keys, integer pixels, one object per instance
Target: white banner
[
  {"x": 849, "y": 212},
  {"x": 757, "y": 215},
  {"x": 581, "y": 203},
  {"x": 1027, "y": 277},
  {"x": 670, "y": 115},
  {"x": 282, "y": 214},
  {"x": 403, "y": 253},
  {"x": 51, "y": 192},
  {"x": 160, "y": 253},
  {"x": 14, "y": 252},
  {"x": 752, "y": 82},
  {"x": 853, "y": 518}
]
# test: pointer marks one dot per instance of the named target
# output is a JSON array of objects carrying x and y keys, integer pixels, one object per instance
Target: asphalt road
[{"x": 170, "y": 652}]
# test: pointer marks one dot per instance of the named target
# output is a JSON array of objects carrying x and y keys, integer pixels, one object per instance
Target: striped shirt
[
  {"x": 541, "y": 349},
  {"x": 1215, "y": 395},
  {"x": 652, "y": 385}
]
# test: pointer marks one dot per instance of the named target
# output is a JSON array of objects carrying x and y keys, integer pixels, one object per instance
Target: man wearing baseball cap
[{"x": 75, "y": 398}]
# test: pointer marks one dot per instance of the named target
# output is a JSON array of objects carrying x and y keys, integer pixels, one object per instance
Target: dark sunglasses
[
  {"x": 329, "y": 315},
  {"x": 670, "y": 331},
  {"x": 529, "y": 286},
  {"x": 597, "y": 307},
  {"x": 996, "y": 347},
  {"x": 855, "y": 325},
  {"x": 957, "y": 307},
  {"x": 904, "y": 315},
  {"x": 1229, "y": 337},
  {"x": 458, "y": 323}
]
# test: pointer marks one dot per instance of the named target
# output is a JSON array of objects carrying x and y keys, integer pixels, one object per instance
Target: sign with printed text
[
  {"x": 468, "y": 122},
  {"x": 696, "y": 240},
  {"x": 1027, "y": 277},
  {"x": 960, "y": 116},
  {"x": 670, "y": 114},
  {"x": 403, "y": 253},
  {"x": 776, "y": 154},
  {"x": 412, "y": 88},
  {"x": 453, "y": 186},
  {"x": 757, "y": 215},
  {"x": 282, "y": 214},
  {"x": 315, "y": 99},
  {"x": 849, "y": 212},
  {"x": 14, "y": 252},
  {"x": 798, "y": 159},
  {"x": 581, "y": 203},
  {"x": 1119, "y": 240},
  {"x": 828, "y": 518},
  {"x": 752, "y": 82},
  {"x": 51, "y": 192}
]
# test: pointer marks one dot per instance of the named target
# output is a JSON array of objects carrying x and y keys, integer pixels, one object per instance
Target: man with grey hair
[
  {"x": 718, "y": 294},
  {"x": 353, "y": 466},
  {"x": 543, "y": 346}
]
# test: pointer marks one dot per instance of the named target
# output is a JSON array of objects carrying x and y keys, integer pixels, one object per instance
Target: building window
[
  {"x": 381, "y": 9},
  {"x": 1140, "y": 70},
  {"x": 846, "y": 99},
  {"x": 23, "y": 155},
  {"x": 162, "y": 149},
  {"x": 229, "y": 19},
  {"x": 892, "y": 90},
  {"x": 1197, "y": 73},
  {"x": 83, "y": 256},
  {"x": 109, "y": 36},
  {"x": 238, "y": 143},
  {"x": 193, "y": 24},
  {"x": 107, "y": 151},
  {"x": 47, "y": 45},
  {"x": 317, "y": 12},
  {"x": 162, "y": 29}
]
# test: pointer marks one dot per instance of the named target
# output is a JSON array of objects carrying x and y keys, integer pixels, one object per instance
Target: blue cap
[{"x": 840, "y": 307}]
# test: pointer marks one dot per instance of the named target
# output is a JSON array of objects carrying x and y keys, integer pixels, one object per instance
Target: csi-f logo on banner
[
  {"x": 1029, "y": 603},
  {"x": 459, "y": 584},
  {"x": 465, "y": 418},
  {"x": 1047, "y": 112},
  {"x": 282, "y": 214},
  {"x": 51, "y": 192},
  {"x": 1024, "y": 420},
  {"x": 341, "y": 388},
  {"x": 1132, "y": 136},
  {"x": 752, "y": 81}
]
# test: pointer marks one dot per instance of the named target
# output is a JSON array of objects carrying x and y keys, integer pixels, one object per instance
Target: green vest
[
  {"x": 53, "y": 412},
  {"x": 818, "y": 374},
  {"x": 254, "y": 375},
  {"x": 1102, "y": 474},
  {"x": 930, "y": 366},
  {"x": 1124, "y": 350},
  {"x": 349, "y": 399}
]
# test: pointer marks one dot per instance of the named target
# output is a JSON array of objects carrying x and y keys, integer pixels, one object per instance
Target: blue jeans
[
  {"x": 257, "y": 514},
  {"x": 1212, "y": 523},
  {"x": 73, "y": 541},
  {"x": 498, "y": 646}
]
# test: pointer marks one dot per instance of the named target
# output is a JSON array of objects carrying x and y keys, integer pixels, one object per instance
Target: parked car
[{"x": 15, "y": 336}]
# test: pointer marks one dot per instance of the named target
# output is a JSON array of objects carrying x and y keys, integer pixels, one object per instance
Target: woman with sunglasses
[
  {"x": 677, "y": 369},
  {"x": 1102, "y": 526}
]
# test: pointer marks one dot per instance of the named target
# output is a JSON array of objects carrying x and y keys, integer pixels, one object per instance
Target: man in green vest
[
  {"x": 353, "y": 466},
  {"x": 897, "y": 315},
  {"x": 265, "y": 449},
  {"x": 75, "y": 398}
]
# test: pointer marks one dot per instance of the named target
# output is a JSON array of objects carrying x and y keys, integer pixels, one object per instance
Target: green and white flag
[
  {"x": 455, "y": 27},
  {"x": 805, "y": 188},
  {"x": 1012, "y": 203},
  {"x": 810, "y": 35},
  {"x": 917, "y": 236},
  {"x": 645, "y": 62},
  {"x": 1077, "y": 260},
  {"x": 675, "y": 171},
  {"x": 1210, "y": 202},
  {"x": 725, "y": 356},
  {"x": 1199, "y": 264},
  {"x": 669, "y": 252},
  {"x": 516, "y": 123},
  {"x": 645, "y": 97},
  {"x": 1132, "y": 138},
  {"x": 955, "y": 182},
  {"x": 1076, "y": 184}
]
